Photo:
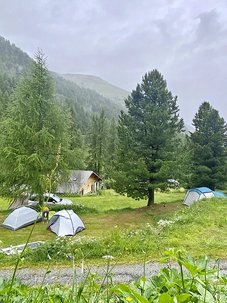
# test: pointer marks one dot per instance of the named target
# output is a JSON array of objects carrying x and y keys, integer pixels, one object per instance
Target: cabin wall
[{"x": 91, "y": 186}]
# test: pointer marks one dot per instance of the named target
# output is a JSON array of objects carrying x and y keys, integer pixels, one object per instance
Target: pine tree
[
  {"x": 77, "y": 151},
  {"x": 209, "y": 143},
  {"x": 34, "y": 135},
  {"x": 147, "y": 134},
  {"x": 7, "y": 85},
  {"x": 97, "y": 143},
  {"x": 111, "y": 148}
]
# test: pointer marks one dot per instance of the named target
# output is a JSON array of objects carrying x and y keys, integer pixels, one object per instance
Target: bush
[
  {"x": 129, "y": 243},
  {"x": 77, "y": 208}
]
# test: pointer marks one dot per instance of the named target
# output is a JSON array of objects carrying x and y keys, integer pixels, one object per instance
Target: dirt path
[{"x": 119, "y": 273}]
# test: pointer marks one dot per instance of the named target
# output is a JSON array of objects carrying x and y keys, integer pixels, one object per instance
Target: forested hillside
[
  {"x": 83, "y": 102},
  {"x": 92, "y": 117},
  {"x": 99, "y": 85},
  {"x": 13, "y": 61}
]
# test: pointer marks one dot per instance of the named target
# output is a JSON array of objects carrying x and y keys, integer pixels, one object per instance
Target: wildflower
[
  {"x": 108, "y": 257},
  {"x": 128, "y": 299},
  {"x": 164, "y": 223}
]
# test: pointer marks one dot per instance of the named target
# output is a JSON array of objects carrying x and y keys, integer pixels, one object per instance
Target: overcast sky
[{"x": 121, "y": 40}]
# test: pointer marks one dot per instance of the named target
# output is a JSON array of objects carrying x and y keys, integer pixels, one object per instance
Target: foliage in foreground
[{"x": 187, "y": 280}]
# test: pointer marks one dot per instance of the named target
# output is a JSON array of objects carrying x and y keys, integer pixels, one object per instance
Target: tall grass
[{"x": 189, "y": 280}]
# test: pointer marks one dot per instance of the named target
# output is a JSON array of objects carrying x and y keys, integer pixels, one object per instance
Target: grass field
[
  {"x": 113, "y": 210},
  {"x": 109, "y": 200},
  {"x": 128, "y": 230}
]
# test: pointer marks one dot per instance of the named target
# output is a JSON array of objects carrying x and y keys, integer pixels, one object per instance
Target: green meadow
[{"x": 127, "y": 229}]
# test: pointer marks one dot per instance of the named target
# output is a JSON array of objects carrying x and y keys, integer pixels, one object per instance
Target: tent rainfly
[
  {"x": 65, "y": 223},
  {"x": 21, "y": 217},
  {"x": 195, "y": 194}
]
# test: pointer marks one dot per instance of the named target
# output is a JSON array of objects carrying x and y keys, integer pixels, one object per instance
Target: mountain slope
[
  {"x": 84, "y": 102},
  {"x": 13, "y": 61},
  {"x": 99, "y": 85}
]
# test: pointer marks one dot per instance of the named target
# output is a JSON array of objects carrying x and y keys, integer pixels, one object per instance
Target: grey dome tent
[
  {"x": 195, "y": 194},
  {"x": 21, "y": 217},
  {"x": 65, "y": 223}
]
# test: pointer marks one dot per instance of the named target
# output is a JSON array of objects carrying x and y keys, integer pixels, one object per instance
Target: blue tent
[
  {"x": 219, "y": 194},
  {"x": 195, "y": 194}
]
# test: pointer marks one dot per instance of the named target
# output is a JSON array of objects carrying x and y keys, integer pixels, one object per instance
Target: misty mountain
[
  {"x": 83, "y": 94},
  {"x": 99, "y": 85},
  {"x": 13, "y": 61},
  {"x": 82, "y": 100}
]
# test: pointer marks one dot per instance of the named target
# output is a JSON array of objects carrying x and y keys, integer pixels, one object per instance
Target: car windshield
[{"x": 53, "y": 198}]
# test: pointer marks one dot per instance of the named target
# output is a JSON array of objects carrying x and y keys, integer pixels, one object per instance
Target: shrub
[
  {"x": 77, "y": 208},
  {"x": 194, "y": 281},
  {"x": 129, "y": 243}
]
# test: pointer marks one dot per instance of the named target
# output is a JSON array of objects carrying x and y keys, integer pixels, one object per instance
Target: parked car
[
  {"x": 50, "y": 199},
  {"x": 173, "y": 183}
]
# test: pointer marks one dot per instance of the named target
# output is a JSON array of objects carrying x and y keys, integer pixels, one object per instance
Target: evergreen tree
[
  {"x": 209, "y": 143},
  {"x": 147, "y": 135},
  {"x": 97, "y": 143},
  {"x": 78, "y": 150},
  {"x": 111, "y": 148},
  {"x": 179, "y": 168},
  {"x": 34, "y": 136},
  {"x": 7, "y": 85}
]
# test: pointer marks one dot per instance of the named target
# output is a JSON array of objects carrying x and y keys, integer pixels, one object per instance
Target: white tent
[
  {"x": 65, "y": 223},
  {"x": 21, "y": 217}
]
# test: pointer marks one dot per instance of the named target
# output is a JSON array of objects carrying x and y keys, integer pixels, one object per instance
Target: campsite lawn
[
  {"x": 109, "y": 200},
  {"x": 113, "y": 211},
  {"x": 128, "y": 230}
]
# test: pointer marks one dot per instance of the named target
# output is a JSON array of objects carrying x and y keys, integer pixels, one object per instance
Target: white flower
[
  {"x": 165, "y": 223},
  {"x": 108, "y": 257}
]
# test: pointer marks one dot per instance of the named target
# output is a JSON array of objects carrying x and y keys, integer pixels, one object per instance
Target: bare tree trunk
[{"x": 150, "y": 197}]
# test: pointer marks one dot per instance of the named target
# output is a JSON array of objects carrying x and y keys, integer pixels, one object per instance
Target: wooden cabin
[{"x": 80, "y": 182}]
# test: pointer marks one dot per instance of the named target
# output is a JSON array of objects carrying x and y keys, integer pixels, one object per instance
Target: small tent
[
  {"x": 65, "y": 223},
  {"x": 21, "y": 217},
  {"x": 195, "y": 194}
]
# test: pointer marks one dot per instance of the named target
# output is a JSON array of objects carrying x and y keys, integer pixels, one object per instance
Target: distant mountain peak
[{"x": 99, "y": 85}]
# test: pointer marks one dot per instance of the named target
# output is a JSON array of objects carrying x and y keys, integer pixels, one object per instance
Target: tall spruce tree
[
  {"x": 78, "y": 150},
  {"x": 111, "y": 148},
  {"x": 147, "y": 135},
  {"x": 209, "y": 143},
  {"x": 97, "y": 143},
  {"x": 34, "y": 136}
]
